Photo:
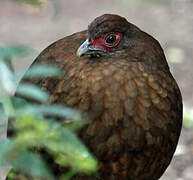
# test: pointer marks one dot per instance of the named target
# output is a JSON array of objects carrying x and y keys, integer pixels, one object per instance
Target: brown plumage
[{"x": 120, "y": 80}]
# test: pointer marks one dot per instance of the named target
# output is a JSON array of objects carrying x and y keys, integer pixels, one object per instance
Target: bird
[{"x": 117, "y": 75}]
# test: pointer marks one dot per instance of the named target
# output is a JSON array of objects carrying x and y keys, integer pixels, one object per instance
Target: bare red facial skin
[{"x": 107, "y": 41}]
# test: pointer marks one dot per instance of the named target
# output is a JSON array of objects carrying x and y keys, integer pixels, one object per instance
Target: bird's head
[
  {"x": 107, "y": 34},
  {"x": 112, "y": 35}
]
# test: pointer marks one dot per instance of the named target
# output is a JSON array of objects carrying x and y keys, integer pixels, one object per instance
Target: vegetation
[
  {"x": 37, "y": 3},
  {"x": 33, "y": 130}
]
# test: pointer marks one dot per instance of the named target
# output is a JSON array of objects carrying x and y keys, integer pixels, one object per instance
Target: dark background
[{"x": 169, "y": 21}]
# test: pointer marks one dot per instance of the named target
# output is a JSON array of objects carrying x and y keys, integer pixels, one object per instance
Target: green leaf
[
  {"x": 2, "y": 113},
  {"x": 71, "y": 152},
  {"x": 42, "y": 71},
  {"x": 5, "y": 145},
  {"x": 30, "y": 127},
  {"x": 7, "y": 105},
  {"x": 32, "y": 91},
  {"x": 18, "y": 102},
  {"x": 188, "y": 117},
  {"x": 14, "y": 50},
  {"x": 7, "y": 78},
  {"x": 37, "y": 3},
  {"x": 33, "y": 165},
  {"x": 3, "y": 124},
  {"x": 68, "y": 175},
  {"x": 18, "y": 50},
  {"x": 32, "y": 130},
  {"x": 54, "y": 110}
]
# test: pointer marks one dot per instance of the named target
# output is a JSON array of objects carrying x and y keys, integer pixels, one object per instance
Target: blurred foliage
[
  {"x": 188, "y": 117},
  {"x": 37, "y": 3},
  {"x": 175, "y": 55},
  {"x": 32, "y": 129},
  {"x": 42, "y": 3}
]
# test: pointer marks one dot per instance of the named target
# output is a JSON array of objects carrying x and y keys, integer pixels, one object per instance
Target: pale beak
[{"x": 88, "y": 48}]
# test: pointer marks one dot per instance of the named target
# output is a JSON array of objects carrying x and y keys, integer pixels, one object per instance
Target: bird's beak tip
[
  {"x": 83, "y": 48},
  {"x": 79, "y": 52}
]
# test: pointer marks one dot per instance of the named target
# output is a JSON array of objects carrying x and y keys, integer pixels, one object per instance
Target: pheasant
[{"x": 118, "y": 77}]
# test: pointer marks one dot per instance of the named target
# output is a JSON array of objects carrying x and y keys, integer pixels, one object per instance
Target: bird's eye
[
  {"x": 107, "y": 41},
  {"x": 112, "y": 39}
]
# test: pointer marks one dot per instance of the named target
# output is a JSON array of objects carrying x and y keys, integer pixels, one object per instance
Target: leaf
[
  {"x": 64, "y": 144},
  {"x": 54, "y": 110},
  {"x": 22, "y": 160},
  {"x": 36, "y": 3},
  {"x": 5, "y": 145},
  {"x": 31, "y": 128},
  {"x": 14, "y": 50},
  {"x": 3, "y": 124},
  {"x": 188, "y": 117},
  {"x": 18, "y": 102},
  {"x": 68, "y": 175},
  {"x": 42, "y": 71},
  {"x": 32, "y": 91},
  {"x": 18, "y": 50},
  {"x": 71, "y": 152},
  {"x": 7, "y": 78},
  {"x": 33, "y": 165},
  {"x": 2, "y": 112}
]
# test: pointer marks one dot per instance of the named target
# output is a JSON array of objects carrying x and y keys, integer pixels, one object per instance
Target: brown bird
[{"x": 119, "y": 78}]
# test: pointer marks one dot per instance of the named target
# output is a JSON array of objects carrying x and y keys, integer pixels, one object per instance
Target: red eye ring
[
  {"x": 107, "y": 44},
  {"x": 112, "y": 39}
]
